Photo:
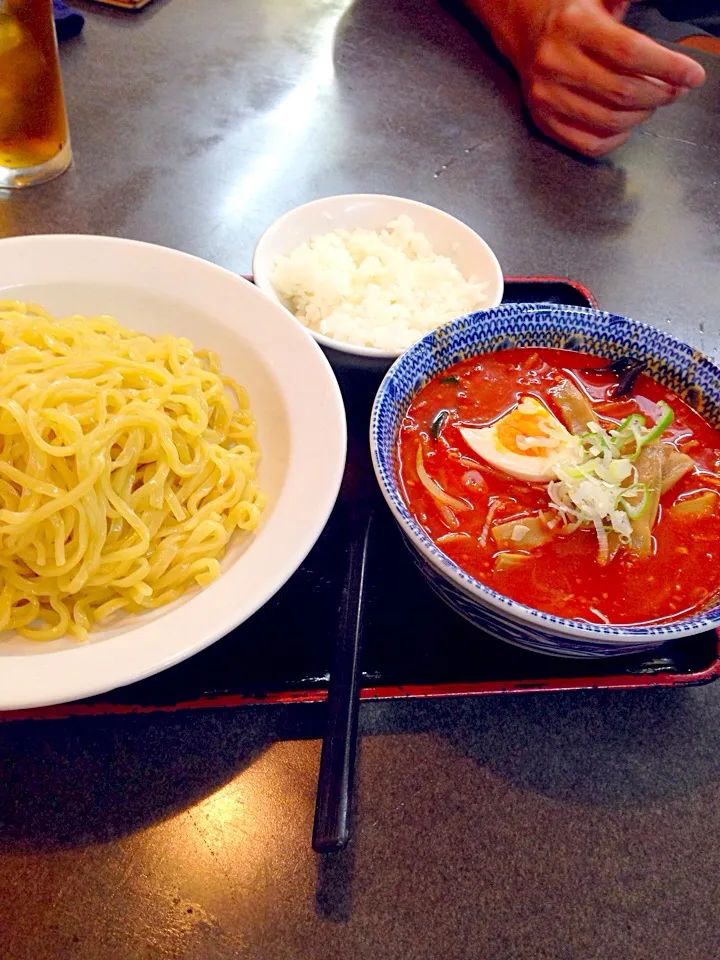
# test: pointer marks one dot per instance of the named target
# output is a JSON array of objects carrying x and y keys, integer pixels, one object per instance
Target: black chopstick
[{"x": 331, "y": 830}]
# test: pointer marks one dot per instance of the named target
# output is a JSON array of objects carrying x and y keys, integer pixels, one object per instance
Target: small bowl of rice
[{"x": 369, "y": 275}]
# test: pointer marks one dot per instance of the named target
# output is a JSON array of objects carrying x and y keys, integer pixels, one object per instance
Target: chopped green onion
[
  {"x": 627, "y": 424},
  {"x": 635, "y": 510},
  {"x": 629, "y": 431},
  {"x": 575, "y": 473},
  {"x": 598, "y": 439},
  {"x": 449, "y": 379},
  {"x": 592, "y": 491},
  {"x": 666, "y": 418},
  {"x": 437, "y": 422}
]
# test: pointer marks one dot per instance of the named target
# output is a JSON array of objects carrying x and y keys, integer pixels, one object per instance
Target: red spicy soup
[{"x": 565, "y": 576}]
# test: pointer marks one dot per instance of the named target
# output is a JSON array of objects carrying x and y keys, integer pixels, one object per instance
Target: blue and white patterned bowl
[{"x": 673, "y": 363}]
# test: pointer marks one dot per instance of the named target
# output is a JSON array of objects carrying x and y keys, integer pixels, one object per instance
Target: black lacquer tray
[{"x": 413, "y": 646}]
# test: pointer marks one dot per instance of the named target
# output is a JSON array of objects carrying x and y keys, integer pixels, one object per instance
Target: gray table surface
[{"x": 566, "y": 827}]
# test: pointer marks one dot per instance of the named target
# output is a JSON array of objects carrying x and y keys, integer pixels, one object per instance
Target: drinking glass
[{"x": 34, "y": 138}]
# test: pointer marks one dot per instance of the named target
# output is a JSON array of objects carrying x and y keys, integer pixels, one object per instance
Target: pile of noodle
[{"x": 125, "y": 468}]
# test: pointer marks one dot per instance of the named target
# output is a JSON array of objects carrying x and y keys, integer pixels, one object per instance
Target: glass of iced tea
[{"x": 34, "y": 139}]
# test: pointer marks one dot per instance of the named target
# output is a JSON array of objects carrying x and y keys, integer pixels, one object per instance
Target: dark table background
[{"x": 567, "y": 826}]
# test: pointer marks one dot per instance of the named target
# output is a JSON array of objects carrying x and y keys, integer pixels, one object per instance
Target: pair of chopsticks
[{"x": 331, "y": 830}]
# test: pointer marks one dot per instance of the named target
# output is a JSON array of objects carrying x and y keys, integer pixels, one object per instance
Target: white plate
[{"x": 301, "y": 429}]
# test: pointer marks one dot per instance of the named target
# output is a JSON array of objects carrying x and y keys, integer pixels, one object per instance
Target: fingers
[
  {"x": 617, "y": 8},
  {"x": 582, "y": 112},
  {"x": 582, "y": 141},
  {"x": 592, "y": 80},
  {"x": 573, "y": 69},
  {"x": 621, "y": 49}
]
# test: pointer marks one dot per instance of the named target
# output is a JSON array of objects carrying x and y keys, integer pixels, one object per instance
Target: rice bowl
[
  {"x": 381, "y": 288},
  {"x": 448, "y": 236}
]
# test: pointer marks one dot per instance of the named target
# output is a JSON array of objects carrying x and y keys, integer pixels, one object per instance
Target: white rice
[{"x": 376, "y": 288}]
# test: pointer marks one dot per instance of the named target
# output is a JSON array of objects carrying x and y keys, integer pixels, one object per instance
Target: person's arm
[{"x": 587, "y": 79}]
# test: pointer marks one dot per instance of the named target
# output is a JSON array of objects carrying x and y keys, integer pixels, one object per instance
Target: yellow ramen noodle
[{"x": 125, "y": 468}]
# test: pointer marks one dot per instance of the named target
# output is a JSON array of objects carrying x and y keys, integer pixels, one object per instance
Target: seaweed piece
[
  {"x": 437, "y": 422},
  {"x": 626, "y": 369}
]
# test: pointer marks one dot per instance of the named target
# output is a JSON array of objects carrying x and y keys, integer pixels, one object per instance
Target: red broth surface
[{"x": 564, "y": 576}]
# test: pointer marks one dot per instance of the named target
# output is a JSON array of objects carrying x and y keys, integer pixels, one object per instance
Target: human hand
[{"x": 588, "y": 80}]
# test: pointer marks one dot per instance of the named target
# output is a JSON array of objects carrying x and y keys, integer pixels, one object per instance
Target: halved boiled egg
[{"x": 526, "y": 443}]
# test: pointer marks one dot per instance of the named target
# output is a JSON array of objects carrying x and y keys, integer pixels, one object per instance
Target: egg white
[{"x": 485, "y": 443}]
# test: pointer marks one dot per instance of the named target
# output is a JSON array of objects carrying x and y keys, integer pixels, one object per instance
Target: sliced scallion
[
  {"x": 635, "y": 509},
  {"x": 598, "y": 440},
  {"x": 629, "y": 431},
  {"x": 666, "y": 419},
  {"x": 627, "y": 424}
]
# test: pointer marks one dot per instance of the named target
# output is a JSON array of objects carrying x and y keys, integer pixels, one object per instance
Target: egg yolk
[{"x": 522, "y": 424}]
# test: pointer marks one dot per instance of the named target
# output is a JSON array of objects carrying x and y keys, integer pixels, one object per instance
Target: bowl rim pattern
[{"x": 465, "y": 337}]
